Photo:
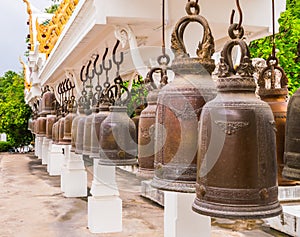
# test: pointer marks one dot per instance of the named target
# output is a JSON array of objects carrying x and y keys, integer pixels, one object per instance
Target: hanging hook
[
  {"x": 118, "y": 63},
  {"x": 98, "y": 73},
  {"x": 240, "y": 15},
  {"x": 87, "y": 73},
  {"x": 81, "y": 74}
]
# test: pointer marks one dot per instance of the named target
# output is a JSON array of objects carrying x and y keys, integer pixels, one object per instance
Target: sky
[{"x": 13, "y": 18}]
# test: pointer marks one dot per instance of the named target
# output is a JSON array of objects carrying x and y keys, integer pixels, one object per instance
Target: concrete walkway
[{"x": 32, "y": 205}]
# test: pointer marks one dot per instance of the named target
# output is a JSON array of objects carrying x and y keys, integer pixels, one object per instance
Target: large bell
[
  {"x": 117, "y": 138},
  {"x": 291, "y": 169},
  {"x": 75, "y": 128},
  {"x": 146, "y": 137},
  {"x": 178, "y": 109},
  {"x": 89, "y": 131},
  {"x": 96, "y": 124},
  {"x": 237, "y": 172},
  {"x": 136, "y": 119},
  {"x": 61, "y": 133},
  {"x": 55, "y": 132},
  {"x": 273, "y": 90}
]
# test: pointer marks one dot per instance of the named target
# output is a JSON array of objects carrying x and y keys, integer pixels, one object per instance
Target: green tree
[
  {"x": 286, "y": 41},
  {"x": 14, "y": 113}
]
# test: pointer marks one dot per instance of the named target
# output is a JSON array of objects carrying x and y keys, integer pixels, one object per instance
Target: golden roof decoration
[
  {"x": 27, "y": 84},
  {"x": 29, "y": 11},
  {"x": 49, "y": 32}
]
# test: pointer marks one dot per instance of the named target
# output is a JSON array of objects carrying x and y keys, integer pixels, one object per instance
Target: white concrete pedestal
[
  {"x": 289, "y": 221},
  {"x": 45, "y": 150},
  {"x": 105, "y": 206},
  {"x": 56, "y": 159},
  {"x": 36, "y": 146},
  {"x": 180, "y": 220},
  {"x": 66, "y": 152},
  {"x": 40, "y": 147},
  {"x": 74, "y": 180}
]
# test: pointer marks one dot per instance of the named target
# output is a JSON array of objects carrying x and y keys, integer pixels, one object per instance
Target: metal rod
[
  {"x": 273, "y": 25},
  {"x": 240, "y": 14}
]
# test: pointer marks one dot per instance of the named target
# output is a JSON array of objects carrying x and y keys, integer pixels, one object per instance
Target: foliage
[
  {"x": 138, "y": 96},
  {"x": 286, "y": 43},
  {"x": 5, "y": 146},
  {"x": 14, "y": 113},
  {"x": 54, "y": 6}
]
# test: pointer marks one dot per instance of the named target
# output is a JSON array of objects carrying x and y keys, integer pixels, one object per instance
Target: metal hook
[
  {"x": 81, "y": 74},
  {"x": 109, "y": 61},
  {"x": 240, "y": 14},
  {"x": 88, "y": 70},
  {"x": 114, "y": 54},
  {"x": 98, "y": 73}
]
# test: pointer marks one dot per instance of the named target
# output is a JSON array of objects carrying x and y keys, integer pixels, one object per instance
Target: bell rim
[
  {"x": 291, "y": 173},
  {"x": 117, "y": 162},
  {"x": 173, "y": 185},
  {"x": 237, "y": 211}
]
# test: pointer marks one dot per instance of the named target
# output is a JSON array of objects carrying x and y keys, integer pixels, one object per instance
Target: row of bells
[
  {"x": 221, "y": 143},
  {"x": 173, "y": 165}
]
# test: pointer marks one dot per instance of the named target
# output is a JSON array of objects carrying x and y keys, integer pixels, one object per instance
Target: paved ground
[{"x": 32, "y": 205}]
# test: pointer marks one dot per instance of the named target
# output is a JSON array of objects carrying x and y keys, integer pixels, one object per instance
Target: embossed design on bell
[
  {"x": 231, "y": 127},
  {"x": 236, "y": 174},
  {"x": 176, "y": 144}
]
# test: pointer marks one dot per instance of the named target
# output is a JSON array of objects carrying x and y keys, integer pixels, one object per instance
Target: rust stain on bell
[
  {"x": 179, "y": 106},
  {"x": 291, "y": 169},
  {"x": 237, "y": 171}
]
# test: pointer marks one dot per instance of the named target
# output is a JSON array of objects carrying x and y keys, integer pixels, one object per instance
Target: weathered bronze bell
[
  {"x": 179, "y": 107},
  {"x": 117, "y": 138},
  {"x": 237, "y": 172},
  {"x": 136, "y": 119},
  {"x": 146, "y": 137},
  {"x": 41, "y": 126},
  {"x": 275, "y": 94},
  {"x": 68, "y": 124},
  {"x": 75, "y": 128},
  {"x": 55, "y": 132},
  {"x": 80, "y": 133},
  {"x": 89, "y": 131},
  {"x": 291, "y": 169},
  {"x": 48, "y": 101},
  {"x": 61, "y": 128},
  {"x": 51, "y": 119},
  {"x": 96, "y": 124}
]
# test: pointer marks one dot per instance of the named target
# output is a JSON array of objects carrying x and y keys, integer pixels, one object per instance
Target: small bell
[
  {"x": 68, "y": 123},
  {"x": 117, "y": 138},
  {"x": 237, "y": 172},
  {"x": 146, "y": 137},
  {"x": 41, "y": 126},
  {"x": 75, "y": 128},
  {"x": 291, "y": 169},
  {"x": 51, "y": 119},
  {"x": 89, "y": 132},
  {"x": 47, "y": 103},
  {"x": 272, "y": 84},
  {"x": 96, "y": 124},
  {"x": 80, "y": 132}
]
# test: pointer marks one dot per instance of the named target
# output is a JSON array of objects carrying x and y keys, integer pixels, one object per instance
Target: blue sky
[{"x": 13, "y": 18}]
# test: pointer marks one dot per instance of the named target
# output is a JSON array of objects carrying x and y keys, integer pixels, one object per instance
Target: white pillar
[
  {"x": 56, "y": 159},
  {"x": 180, "y": 220},
  {"x": 45, "y": 150},
  {"x": 36, "y": 146},
  {"x": 105, "y": 206},
  {"x": 74, "y": 180},
  {"x": 40, "y": 147}
]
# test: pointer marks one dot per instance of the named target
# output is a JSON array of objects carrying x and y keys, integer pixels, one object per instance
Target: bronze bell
[
  {"x": 237, "y": 172},
  {"x": 48, "y": 101},
  {"x": 275, "y": 94},
  {"x": 146, "y": 137},
  {"x": 136, "y": 119},
  {"x": 68, "y": 124},
  {"x": 96, "y": 124},
  {"x": 179, "y": 106},
  {"x": 291, "y": 169},
  {"x": 75, "y": 128},
  {"x": 51, "y": 119},
  {"x": 41, "y": 126},
  {"x": 80, "y": 133},
  {"x": 117, "y": 138},
  {"x": 89, "y": 131},
  {"x": 55, "y": 132}
]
